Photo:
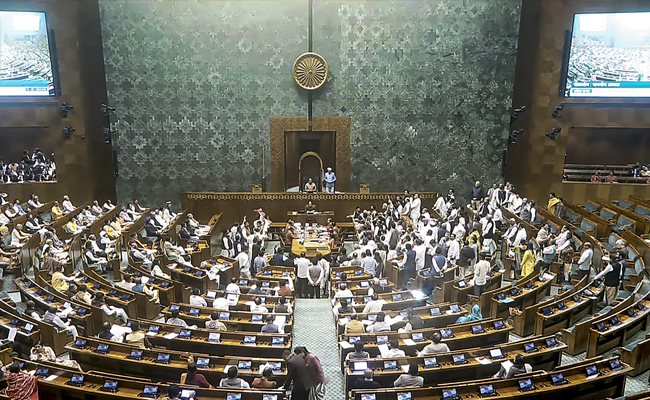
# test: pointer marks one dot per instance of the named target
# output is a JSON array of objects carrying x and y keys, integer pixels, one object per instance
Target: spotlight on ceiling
[
  {"x": 557, "y": 111},
  {"x": 106, "y": 110},
  {"x": 552, "y": 134},
  {"x": 67, "y": 132},
  {"x": 65, "y": 109}
]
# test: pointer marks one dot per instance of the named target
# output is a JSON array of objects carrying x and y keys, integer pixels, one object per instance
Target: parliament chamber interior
[{"x": 324, "y": 199}]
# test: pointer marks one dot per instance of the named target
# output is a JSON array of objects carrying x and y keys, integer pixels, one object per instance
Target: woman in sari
[
  {"x": 475, "y": 315},
  {"x": 21, "y": 386}
]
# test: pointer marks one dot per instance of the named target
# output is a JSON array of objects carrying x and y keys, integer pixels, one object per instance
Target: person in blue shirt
[{"x": 330, "y": 179}]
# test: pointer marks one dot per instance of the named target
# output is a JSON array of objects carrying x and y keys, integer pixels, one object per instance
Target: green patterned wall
[{"x": 427, "y": 85}]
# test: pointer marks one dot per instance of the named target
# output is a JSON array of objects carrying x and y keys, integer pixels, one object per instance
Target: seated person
[
  {"x": 213, "y": 323},
  {"x": 82, "y": 295},
  {"x": 354, "y": 326},
  {"x": 367, "y": 382},
  {"x": 380, "y": 325},
  {"x": 282, "y": 306},
  {"x": 265, "y": 382},
  {"x": 358, "y": 353},
  {"x": 191, "y": 377},
  {"x": 233, "y": 286},
  {"x": 310, "y": 207},
  {"x": 176, "y": 253},
  {"x": 137, "y": 337},
  {"x": 106, "y": 334},
  {"x": 196, "y": 299},
  {"x": 21, "y": 385},
  {"x": 157, "y": 271},
  {"x": 374, "y": 305},
  {"x": 109, "y": 310},
  {"x": 343, "y": 292},
  {"x": 412, "y": 379},
  {"x": 278, "y": 258},
  {"x": 310, "y": 187},
  {"x": 18, "y": 236},
  {"x": 220, "y": 302},
  {"x": 52, "y": 317},
  {"x": 258, "y": 307},
  {"x": 344, "y": 308},
  {"x": 270, "y": 327},
  {"x": 394, "y": 350},
  {"x": 435, "y": 347},
  {"x": 175, "y": 319},
  {"x": 60, "y": 281},
  {"x": 152, "y": 294},
  {"x": 232, "y": 381},
  {"x": 57, "y": 212},
  {"x": 518, "y": 367}
]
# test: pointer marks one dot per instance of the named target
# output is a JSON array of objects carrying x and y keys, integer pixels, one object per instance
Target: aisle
[{"x": 314, "y": 329}]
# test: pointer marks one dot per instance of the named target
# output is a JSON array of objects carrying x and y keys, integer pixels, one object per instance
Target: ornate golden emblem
[{"x": 310, "y": 71}]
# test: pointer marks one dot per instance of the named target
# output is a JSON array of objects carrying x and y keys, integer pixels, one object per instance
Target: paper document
[
  {"x": 383, "y": 349},
  {"x": 483, "y": 360},
  {"x": 345, "y": 345},
  {"x": 171, "y": 335},
  {"x": 408, "y": 342},
  {"x": 12, "y": 334}
]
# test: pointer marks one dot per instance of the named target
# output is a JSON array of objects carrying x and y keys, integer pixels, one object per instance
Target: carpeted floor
[{"x": 314, "y": 329}]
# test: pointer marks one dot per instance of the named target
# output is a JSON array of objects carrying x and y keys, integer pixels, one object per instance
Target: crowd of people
[{"x": 33, "y": 167}]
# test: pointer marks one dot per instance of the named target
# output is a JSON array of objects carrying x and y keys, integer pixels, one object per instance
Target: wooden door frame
[{"x": 339, "y": 125}]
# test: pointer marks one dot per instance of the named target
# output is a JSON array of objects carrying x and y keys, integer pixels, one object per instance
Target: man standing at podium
[{"x": 330, "y": 179}]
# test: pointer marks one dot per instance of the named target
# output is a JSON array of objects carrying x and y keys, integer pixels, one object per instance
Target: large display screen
[
  {"x": 610, "y": 56},
  {"x": 25, "y": 62}
]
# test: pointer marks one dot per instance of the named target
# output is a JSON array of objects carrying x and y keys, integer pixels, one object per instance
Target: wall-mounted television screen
[
  {"x": 25, "y": 62},
  {"x": 609, "y": 56}
]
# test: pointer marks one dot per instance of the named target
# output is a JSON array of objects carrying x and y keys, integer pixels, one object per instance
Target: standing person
[
  {"x": 20, "y": 385},
  {"x": 298, "y": 375},
  {"x": 613, "y": 274},
  {"x": 302, "y": 271},
  {"x": 548, "y": 254},
  {"x": 330, "y": 180},
  {"x": 316, "y": 373},
  {"x": 477, "y": 194},
  {"x": 584, "y": 263},
  {"x": 552, "y": 203},
  {"x": 528, "y": 261},
  {"x": 465, "y": 261},
  {"x": 315, "y": 277},
  {"x": 481, "y": 269},
  {"x": 226, "y": 244},
  {"x": 408, "y": 262},
  {"x": 244, "y": 263}
]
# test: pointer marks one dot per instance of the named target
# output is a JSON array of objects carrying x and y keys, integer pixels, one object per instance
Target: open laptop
[
  {"x": 80, "y": 344},
  {"x": 203, "y": 362},
  {"x": 592, "y": 370},
  {"x": 154, "y": 328},
  {"x": 354, "y": 339},
  {"x": 245, "y": 365},
  {"x": 459, "y": 359},
  {"x": 530, "y": 348},
  {"x": 276, "y": 365},
  {"x": 110, "y": 386},
  {"x": 224, "y": 315},
  {"x": 547, "y": 311},
  {"x": 256, "y": 318},
  {"x": 194, "y": 312},
  {"x": 450, "y": 394},
  {"x": 233, "y": 396},
  {"x": 630, "y": 312},
  {"x": 162, "y": 359},
  {"x": 615, "y": 321},
  {"x": 640, "y": 306},
  {"x": 135, "y": 355},
  {"x": 214, "y": 337},
  {"x": 615, "y": 364},
  {"x": 174, "y": 307},
  {"x": 514, "y": 292},
  {"x": 454, "y": 308},
  {"x": 269, "y": 396},
  {"x": 477, "y": 329},
  {"x": 561, "y": 305},
  {"x": 499, "y": 325},
  {"x": 431, "y": 362},
  {"x": 501, "y": 296},
  {"x": 551, "y": 342},
  {"x": 390, "y": 365},
  {"x": 243, "y": 282},
  {"x": 150, "y": 391},
  {"x": 382, "y": 339},
  {"x": 42, "y": 372},
  {"x": 558, "y": 379},
  {"x": 487, "y": 391},
  {"x": 446, "y": 333},
  {"x": 417, "y": 337},
  {"x": 364, "y": 284},
  {"x": 496, "y": 354},
  {"x": 372, "y": 317},
  {"x": 358, "y": 272},
  {"x": 359, "y": 366},
  {"x": 250, "y": 340},
  {"x": 397, "y": 297},
  {"x": 28, "y": 328},
  {"x": 600, "y": 326},
  {"x": 462, "y": 284},
  {"x": 102, "y": 349},
  {"x": 526, "y": 385},
  {"x": 435, "y": 311},
  {"x": 368, "y": 396},
  {"x": 404, "y": 396},
  {"x": 383, "y": 282},
  {"x": 277, "y": 341},
  {"x": 76, "y": 380},
  {"x": 577, "y": 298},
  {"x": 185, "y": 334},
  {"x": 211, "y": 294}
]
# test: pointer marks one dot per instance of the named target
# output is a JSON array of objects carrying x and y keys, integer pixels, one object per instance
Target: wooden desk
[
  {"x": 310, "y": 248},
  {"x": 166, "y": 287},
  {"x": 118, "y": 361},
  {"x": 463, "y": 338},
  {"x": 318, "y": 217},
  {"x": 544, "y": 358},
  {"x": 616, "y": 335},
  {"x": 406, "y": 300},
  {"x": 57, "y": 388},
  {"x": 526, "y": 297},
  {"x": 608, "y": 384}
]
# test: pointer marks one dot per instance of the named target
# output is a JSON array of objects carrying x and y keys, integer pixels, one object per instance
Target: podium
[{"x": 317, "y": 217}]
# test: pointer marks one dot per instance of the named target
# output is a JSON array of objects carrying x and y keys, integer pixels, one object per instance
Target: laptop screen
[
  {"x": 561, "y": 305},
  {"x": 185, "y": 334},
  {"x": 551, "y": 342},
  {"x": 80, "y": 343},
  {"x": 244, "y": 364},
  {"x": 265, "y": 284},
  {"x": 499, "y": 325},
  {"x": 163, "y": 357},
  {"x": 449, "y": 393},
  {"x": 615, "y": 363},
  {"x": 276, "y": 366},
  {"x": 430, "y": 362},
  {"x": 194, "y": 312},
  {"x": 383, "y": 282},
  {"x": 136, "y": 353},
  {"x": 486, "y": 390},
  {"x": 591, "y": 370},
  {"x": 557, "y": 378},
  {"x": 496, "y": 353},
  {"x": 267, "y": 396},
  {"x": 77, "y": 379},
  {"x": 28, "y": 327},
  {"x": 364, "y": 284},
  {"x": 174, "y": 307},
  {"x": 224, "y": 315},
  {"x": 360, "y": 365},
  {"x": 243, "y": 282},
  {"x": 202, "y": 362},
  {"x": 382, "y": 339},
  {"x": 477, "y": 329},
  {"x": 446, "y": 333},
  {"x": 250, "y": 339},
  {"x": 372, "y": 317},
  {"x": 109, "y": 384},
  {"x": 525, "y": 384},
  {"x": 354, "y": 339},
  {"x": 233, "y": 396},
  {"x": 435, "y": 311},
  {"x": 154, "y": 328},
  {"x": 600, "y": 326},
  {"x": 546, "y": 310},
  {"x": 454, "y": 308},
  {"x": 277, "y": 340},
  {"x": 42, "y": 371},
  {"x": 102, "y": 347},
  {"x": 397, "y": 297},
  {"x": 404, "y": 396},
  {"x": 214, "y": 337},
  {"x": 390, "y": 364},
  {"x": 458, "y": 358},
  {"x": 257, "y": 317},
  {"x": 615, "y": 320},
  {"x": 529, "y": 347},
  {"x": 368, "y": 396},
  {"x": 418, "y": 337},
  {"x": 149, "y": 389}
]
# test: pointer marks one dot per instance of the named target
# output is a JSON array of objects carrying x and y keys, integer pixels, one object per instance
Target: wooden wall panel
[
  {"x": 535, "y": 165},
  {"x": 84, "y": 163}
]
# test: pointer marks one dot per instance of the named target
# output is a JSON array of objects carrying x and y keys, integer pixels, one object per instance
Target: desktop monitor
[
  {"x": 614, "y": 320},
  {"x": 364, "y": 284},
  {"x": 601, "y": 326},
  {"x": 462, "y": 284},
  {"x": 102, "y": 348},
  {"x": 358, "y": 272},
  {"x": 382, "y": 339},
  {"x": 383, "y": 282},
  {"x": 501, "y": 296},
  {"x": 243, "y": 282},
  {"x": 187, "y": 394},
  {"x": 266, "y": 284},
  {"x": 397, "y": 297},
  {"x": 80, "y": 343},
  {"x": 372, "y": 317}
]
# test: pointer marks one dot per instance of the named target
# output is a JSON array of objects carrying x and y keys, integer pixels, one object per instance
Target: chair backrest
[
  {"x": 612, "y": 239},
  {"x": 622, "y": 221},
  {"x": 571, "y": 217},
  {"x": 638, "y": 265},
  {"x": 632, "y": 254},
  {"x": 587, "y": 225},
  {"x": 607, "y": 214},
  {"x": 538, "y": 219},
  {"x": 7, "y": 239},
  {"x": 591, "y": 207},
  {"x": 624, "y": 204},
  {"x": 641, "y": 211},
  {"x": 554, "y": 229}
]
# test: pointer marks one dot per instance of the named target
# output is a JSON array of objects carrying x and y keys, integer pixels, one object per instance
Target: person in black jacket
[
  {"x": 408, "y": 263},
  {"x": 367, "y": 382},
  {"x": 298, "y": 375}
]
